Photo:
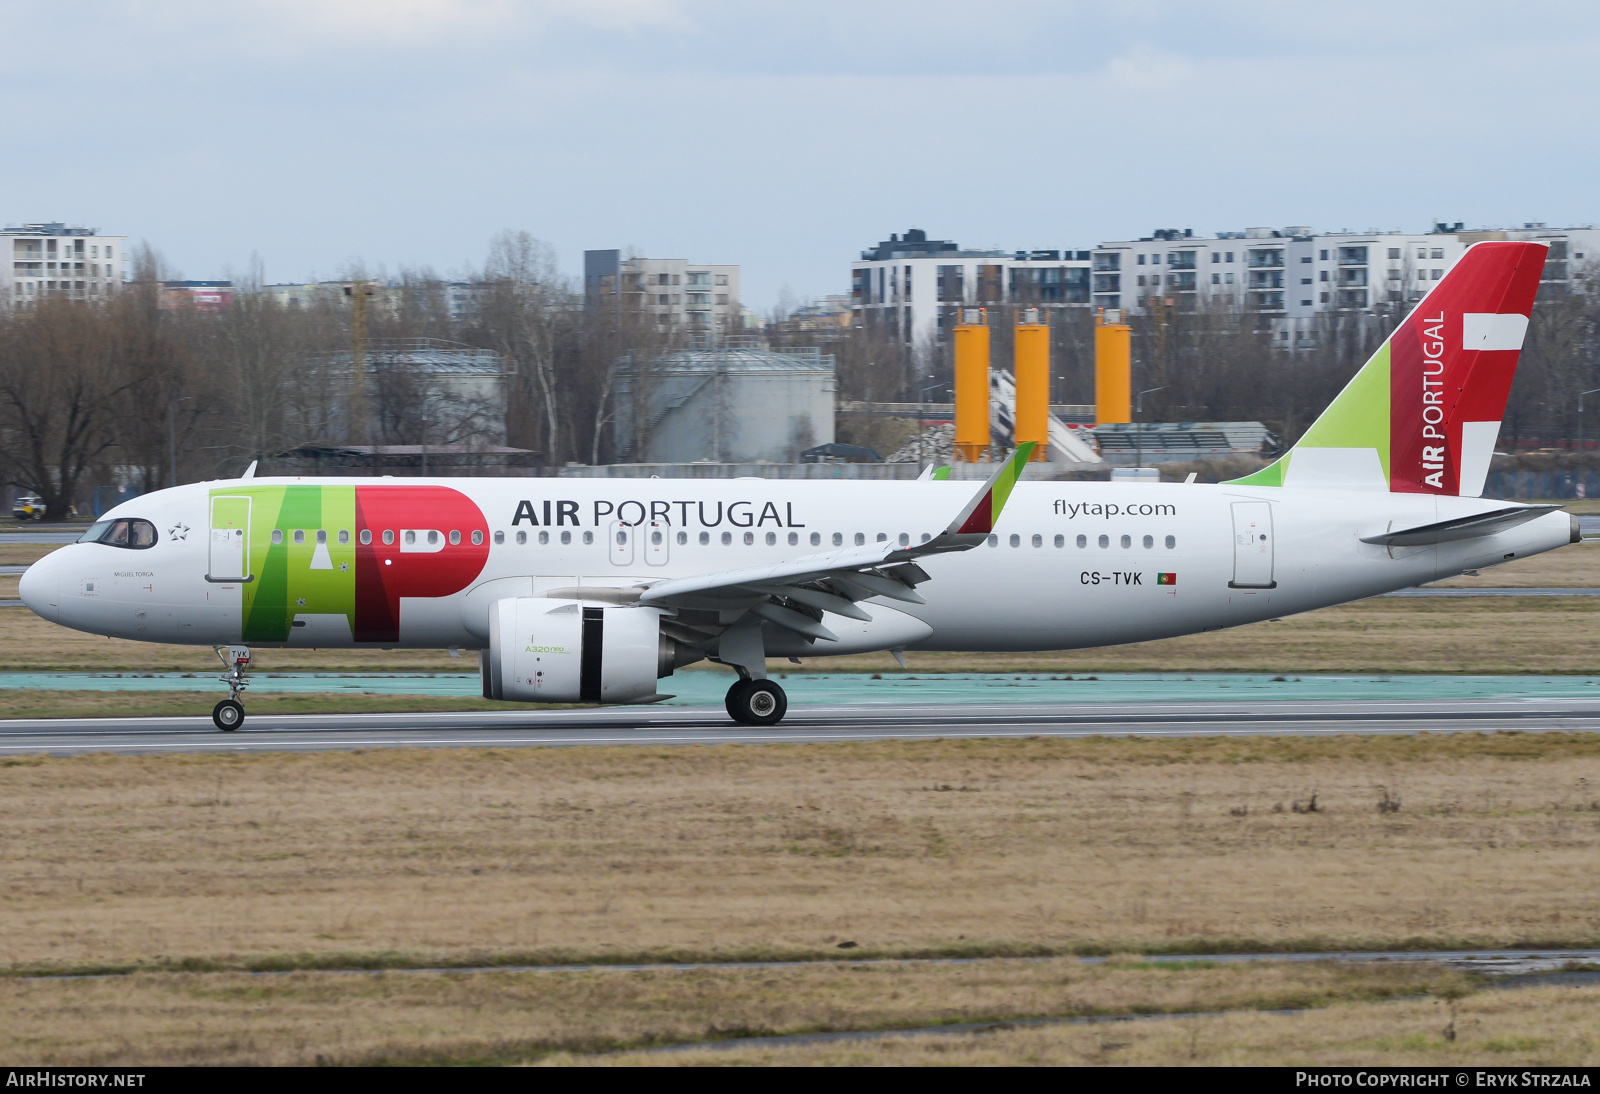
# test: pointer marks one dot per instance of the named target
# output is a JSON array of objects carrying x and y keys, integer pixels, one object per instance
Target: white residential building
[
  {"x": 910, "y": 287},
  {"x": 687, "y": 295},
  {"x": 52, "y": 258},
  {"x": 1294, "y": 274}
]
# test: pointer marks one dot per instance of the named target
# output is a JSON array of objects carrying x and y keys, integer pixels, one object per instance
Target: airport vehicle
[
  {"x": 28, "y": 507},
  {"x": 592, "y": 590}
]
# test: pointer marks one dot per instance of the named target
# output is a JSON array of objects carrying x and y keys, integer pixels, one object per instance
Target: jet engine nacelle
[{"x": 565, "y": 651}]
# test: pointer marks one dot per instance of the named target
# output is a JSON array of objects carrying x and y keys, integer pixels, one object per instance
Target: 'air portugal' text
[{"x": 1433, "y": 456}]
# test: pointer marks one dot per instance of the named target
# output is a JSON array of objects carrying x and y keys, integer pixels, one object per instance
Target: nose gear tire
[
  {"x": 757, "y": 702},
  {"x": 228, "y": 715}
]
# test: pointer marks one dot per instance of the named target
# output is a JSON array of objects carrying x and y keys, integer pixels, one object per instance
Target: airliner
[{"x": 594, "y": 591}]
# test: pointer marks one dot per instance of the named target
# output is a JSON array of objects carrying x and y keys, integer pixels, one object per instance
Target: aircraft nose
[{"x": 40, "y": 587}]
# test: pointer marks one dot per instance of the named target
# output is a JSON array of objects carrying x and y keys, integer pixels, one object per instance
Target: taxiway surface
[{"x": 659, "y": 726}]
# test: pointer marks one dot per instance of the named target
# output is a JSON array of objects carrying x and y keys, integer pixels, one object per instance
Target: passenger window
[
  {"x": 622, "y": 538},
  {"x": 277, "y": 536},
  {"x": 705, "y": 538},
  {"x": 588, "y": 537},
  {"x": 994, "y": 541},
  {"x": 1149, "y": 541},
  {"x": 366, "y": 536},
  {"x": 499, "y": 538},
  {"x": 1172, "y": 541},
  {"x": 749, "y": 538},
  {"x": 344, "y": 536},
  {"x": 926, "y": 537},
  {"x": 860, "y": 538},
  {"x": 433, "y": 537},
  {"x": 816, "y": 539},
  {"x": 772, "y": 539},
  {"x": 1083, "y": 541},
  {"x": 566, "y": 538},
  {"x": 322, "y": 536},
  {"x": 683, "y": 537},
  {"x": 1105, "y": 541},
  {"x": 1127, "y": 541},
  {"x": 794, "y": 538},
  {"x": 1038, "y": 540},
  {"x": 299, "y": 535},
  {"x": 1016, "y": 540},
  {"x": 727, "y": 538},
  {"x": 905, "y": 540},
  {"x": 388, "y": 535},
  {"x": 1061, "y": 541},
  {"x": 411, "y": 537},
  {"x": 838, "y": 539},
  {"x": 477, "y": 538},
  {"x": 455, "y": 537}
]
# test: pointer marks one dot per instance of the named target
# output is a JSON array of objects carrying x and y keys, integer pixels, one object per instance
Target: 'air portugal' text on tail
[{"x": 1421, "y": 417}]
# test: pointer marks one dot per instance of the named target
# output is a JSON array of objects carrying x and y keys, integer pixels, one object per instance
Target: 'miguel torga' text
[
  {"x": 1433, "y": 455},
  {"x": 679, "y": 514}
]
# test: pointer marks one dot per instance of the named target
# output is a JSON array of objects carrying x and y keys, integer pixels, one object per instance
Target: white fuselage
[{"x": 1070, "y": 565}]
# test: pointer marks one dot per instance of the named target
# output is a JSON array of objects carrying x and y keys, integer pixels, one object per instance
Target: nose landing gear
[
  {"x": 229, "y": 714},
  {"x": 757, "y": 702}
]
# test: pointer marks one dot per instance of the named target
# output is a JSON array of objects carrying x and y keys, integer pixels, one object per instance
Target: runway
[{"x": 661, "y": 726}]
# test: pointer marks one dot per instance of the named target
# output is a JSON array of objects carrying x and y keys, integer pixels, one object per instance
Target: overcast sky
[{"x": 784, "y": 137}]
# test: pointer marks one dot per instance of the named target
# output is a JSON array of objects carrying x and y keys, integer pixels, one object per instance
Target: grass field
[{"x": 175, "y": 865}]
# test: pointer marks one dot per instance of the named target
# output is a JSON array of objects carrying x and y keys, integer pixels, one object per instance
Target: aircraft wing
[{"x": 795, "y": 593}]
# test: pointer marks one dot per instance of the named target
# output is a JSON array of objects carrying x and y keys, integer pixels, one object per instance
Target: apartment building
[
  {"x": 52, "y": 258},
  {"x": 911, "y": 287},
  {"x": 1293, "y": 274},
  {"x": 701, "y": 297}
]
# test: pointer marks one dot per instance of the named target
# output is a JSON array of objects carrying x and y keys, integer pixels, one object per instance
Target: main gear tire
[{"x": 757, "y": 703}]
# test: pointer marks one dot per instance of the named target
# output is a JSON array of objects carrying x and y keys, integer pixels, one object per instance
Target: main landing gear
[
  {"x": 757, "y": 702},
  {"x": 229, "y": 714}
]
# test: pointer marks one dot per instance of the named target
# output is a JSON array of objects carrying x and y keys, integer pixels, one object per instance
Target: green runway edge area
[{"x": 706, "y": 688}]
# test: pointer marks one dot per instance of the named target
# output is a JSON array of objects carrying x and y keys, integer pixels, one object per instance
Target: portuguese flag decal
[{"x": 1166, "y": 579}]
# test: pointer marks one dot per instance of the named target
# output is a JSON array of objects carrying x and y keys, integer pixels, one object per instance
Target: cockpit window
[{"x": 132, "y": 534}]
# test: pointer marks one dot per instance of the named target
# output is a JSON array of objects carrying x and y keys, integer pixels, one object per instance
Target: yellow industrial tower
[
  {"x": 1031, "y": 368},
  {"x": 1113, "y": 368},
  {"x": 972, "y": 385}
]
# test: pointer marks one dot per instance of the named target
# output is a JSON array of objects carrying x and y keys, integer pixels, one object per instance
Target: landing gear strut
[
  {"x": 757, "y": 702},
  {"x": 229, "y": 714}
]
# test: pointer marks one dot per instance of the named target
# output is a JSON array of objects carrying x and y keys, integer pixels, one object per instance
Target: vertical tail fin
[{"x": 1421, "y": 417}]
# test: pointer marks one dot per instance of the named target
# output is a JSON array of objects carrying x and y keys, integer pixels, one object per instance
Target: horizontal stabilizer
[{"x": 1482, "y": 524}]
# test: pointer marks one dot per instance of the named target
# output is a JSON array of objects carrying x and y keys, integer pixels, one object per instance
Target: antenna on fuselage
[{"x": 250, "y": 472}]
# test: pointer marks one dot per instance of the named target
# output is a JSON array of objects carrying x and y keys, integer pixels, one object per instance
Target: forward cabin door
[
  {"x": 1252, "y": 545},
  {"x": 230, "y": 539}
]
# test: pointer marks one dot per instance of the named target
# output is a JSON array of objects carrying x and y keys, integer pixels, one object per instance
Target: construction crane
[{"x": 360, "y": 294}]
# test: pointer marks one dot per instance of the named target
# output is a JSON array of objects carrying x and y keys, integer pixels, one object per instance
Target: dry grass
[
  {"x": 933, "y": 847},
  {"x": 507, "y": 1017},
  {"x": 1537, "y": 1026},
  {"x": 46, "y": 703}
]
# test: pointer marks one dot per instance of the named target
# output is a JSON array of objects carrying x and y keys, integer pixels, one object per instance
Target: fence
[{"x": 1526, "y": 485}]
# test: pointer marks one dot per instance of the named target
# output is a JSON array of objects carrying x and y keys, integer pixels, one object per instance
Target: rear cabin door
[
  {"x": 230, "y": 539},
  {"x": 1252, "y": 545}
]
